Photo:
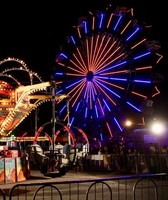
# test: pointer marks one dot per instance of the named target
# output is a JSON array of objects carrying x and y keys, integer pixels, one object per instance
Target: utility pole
[
  {"x": 68, "y": 121},
  {"x": 36, "y": 119},
  {"x": 53, "y": 91}
]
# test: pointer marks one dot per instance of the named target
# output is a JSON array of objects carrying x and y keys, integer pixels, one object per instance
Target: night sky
[{"x": 34, "y": 32}]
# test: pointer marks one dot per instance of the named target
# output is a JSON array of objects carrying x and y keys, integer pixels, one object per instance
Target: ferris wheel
[{"x": 105, "y": 67}]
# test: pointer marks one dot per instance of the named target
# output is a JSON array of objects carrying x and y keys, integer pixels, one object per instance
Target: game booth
[{"x": 14, "y": 166}]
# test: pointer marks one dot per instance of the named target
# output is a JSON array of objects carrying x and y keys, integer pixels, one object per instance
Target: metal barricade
[{"x": 134, "y": 187}]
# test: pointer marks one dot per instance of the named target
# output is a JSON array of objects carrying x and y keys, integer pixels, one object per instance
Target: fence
[
  {"x": 134, "y": 187},
  {"x": 136, "y": 163}
]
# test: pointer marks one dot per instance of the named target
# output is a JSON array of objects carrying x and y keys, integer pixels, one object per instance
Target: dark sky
[{"x": 34, "y": 31}]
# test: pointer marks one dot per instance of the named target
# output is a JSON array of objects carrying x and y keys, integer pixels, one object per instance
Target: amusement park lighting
[
  {"x": 157, "y": 127},
  {"x": 18, "y": 105},
  {"x": 128, "y": 123},
  {"x": 97, "y": 73}
]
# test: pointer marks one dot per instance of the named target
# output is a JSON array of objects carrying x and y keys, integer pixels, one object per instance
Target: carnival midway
[
  {"x": 20, "y": 154},
  {"x": 98, "y": 103}
]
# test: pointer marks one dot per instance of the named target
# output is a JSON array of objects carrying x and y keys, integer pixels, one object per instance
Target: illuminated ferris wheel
[{"x": 105, "y": 66}]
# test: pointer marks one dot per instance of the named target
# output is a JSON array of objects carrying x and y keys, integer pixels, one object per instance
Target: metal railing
[
  {"x": 148, "y": 180},
  {"x": 136, "y": 163},
  {"x": 134, "y": 187}
]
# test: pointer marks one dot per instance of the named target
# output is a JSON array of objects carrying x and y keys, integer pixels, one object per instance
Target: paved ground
[
  {"x": 124, "y": 189},
  {"x": 37, "y": 176},
  {"x": 70, "y": 175}
]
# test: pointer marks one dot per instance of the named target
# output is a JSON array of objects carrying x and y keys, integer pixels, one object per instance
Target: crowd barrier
[
  {"x": 134, "y": 187},
  {"x": 136, "y": 163}
]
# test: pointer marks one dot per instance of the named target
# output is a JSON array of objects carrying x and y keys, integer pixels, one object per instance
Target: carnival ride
[
  {"x": 106, "y": 67},
  {"x": 104, "y": 75},
  {"x": 18, "y": 98}
]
